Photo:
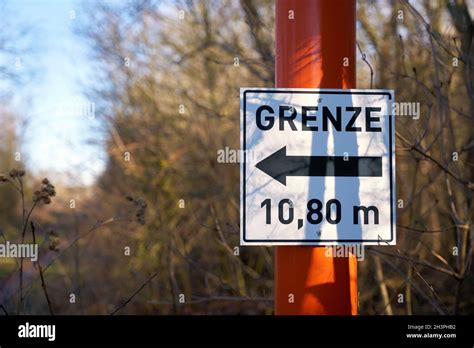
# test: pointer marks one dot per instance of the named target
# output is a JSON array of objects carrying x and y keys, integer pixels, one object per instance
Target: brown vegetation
[{"x": 167, "y": 90}]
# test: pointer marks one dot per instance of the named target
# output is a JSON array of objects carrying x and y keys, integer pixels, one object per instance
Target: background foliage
[{"x": 167, "y": 93}]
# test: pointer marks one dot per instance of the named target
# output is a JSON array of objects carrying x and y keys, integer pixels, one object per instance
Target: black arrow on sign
[{"x": 278, "y": 165}]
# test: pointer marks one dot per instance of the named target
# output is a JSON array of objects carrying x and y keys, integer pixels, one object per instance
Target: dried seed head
[
  {"x": 45, "y": 193},
  {"x": 53, "y": 241},
  {"x": 140, "y": 208},
  {"x": 16, "y": 173}
]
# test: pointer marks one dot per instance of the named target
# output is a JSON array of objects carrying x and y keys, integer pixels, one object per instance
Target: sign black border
[{"x": 304, "y": 241}]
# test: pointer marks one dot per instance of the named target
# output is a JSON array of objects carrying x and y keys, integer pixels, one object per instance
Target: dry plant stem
[
  {"x": 363, "y": 56},
  {"x": 204, "y": 271},
  {"x": 410, "y": 273},
  {"x": 22, "y": 193},
  {"x": 223, "y": 241},
  {"x": 25, "y": 224},
  {"x": 239, "y": 279},
  {"x": 419, "y": 262},
  {"x": 201, "y": 300},
  {"x": 395, "y": 294},
  {"x": 77, "y": 271},
  {"x": 75, "y": 241},
  {"x": 419, "y": 230},
  {"x": 134, "y": 294},
  {"x": 458, "y": 296},
  {"x": 96, "y": 227},
  {"x": 383, "y": 286},
  {"x": 171, "y": 277},
  {"x": 413, "y": 262},
  {"x": 435, "y": 305},
  {"x": 466, "y": 183},
  {"x": 230, "y": 299},
  {"x": 462, "y": 243},
  {"x": 435, "y": 295},
  {"x": 3, "y": 309},
  {"x": 40, "y": 270},
  {"x": 408, "y": 292}
]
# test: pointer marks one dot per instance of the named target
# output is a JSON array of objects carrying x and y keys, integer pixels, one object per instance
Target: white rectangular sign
[{"x": 317, "y": 167}]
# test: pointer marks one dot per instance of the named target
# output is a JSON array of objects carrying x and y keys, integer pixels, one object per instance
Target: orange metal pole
[{"x": 315, "y": 47}]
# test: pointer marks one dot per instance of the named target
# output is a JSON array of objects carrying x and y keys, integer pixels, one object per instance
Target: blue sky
[{"x": 61, "y": 139}]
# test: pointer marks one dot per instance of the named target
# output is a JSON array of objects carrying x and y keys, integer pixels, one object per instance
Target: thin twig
[
  {"x": 103, "y": 223},
  {"x": 412, "y": 262},
  {"x": 466, "y": 183},
  {"x": 22, "y": 193},
  {"x": 427, "y": 231},
  {"x": 225, "y": 244},
  {"x": 43, "y": 284},
  {"x": 416, "y": 287},
  {"x": 395, "y": 294},
  {"x": 379, "y": 275},
  {"x": 419, "y": 262},
  {"x": 134, "y": 294},
  {"x": 363, "y": 56},
  {"x": 198, "y": 300},
  {"x": 3, "y": 309},
  {"x": 201, "y": 300},
  {"x": 72, "y": 243},
  {"x": 25, "y": 224}
]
